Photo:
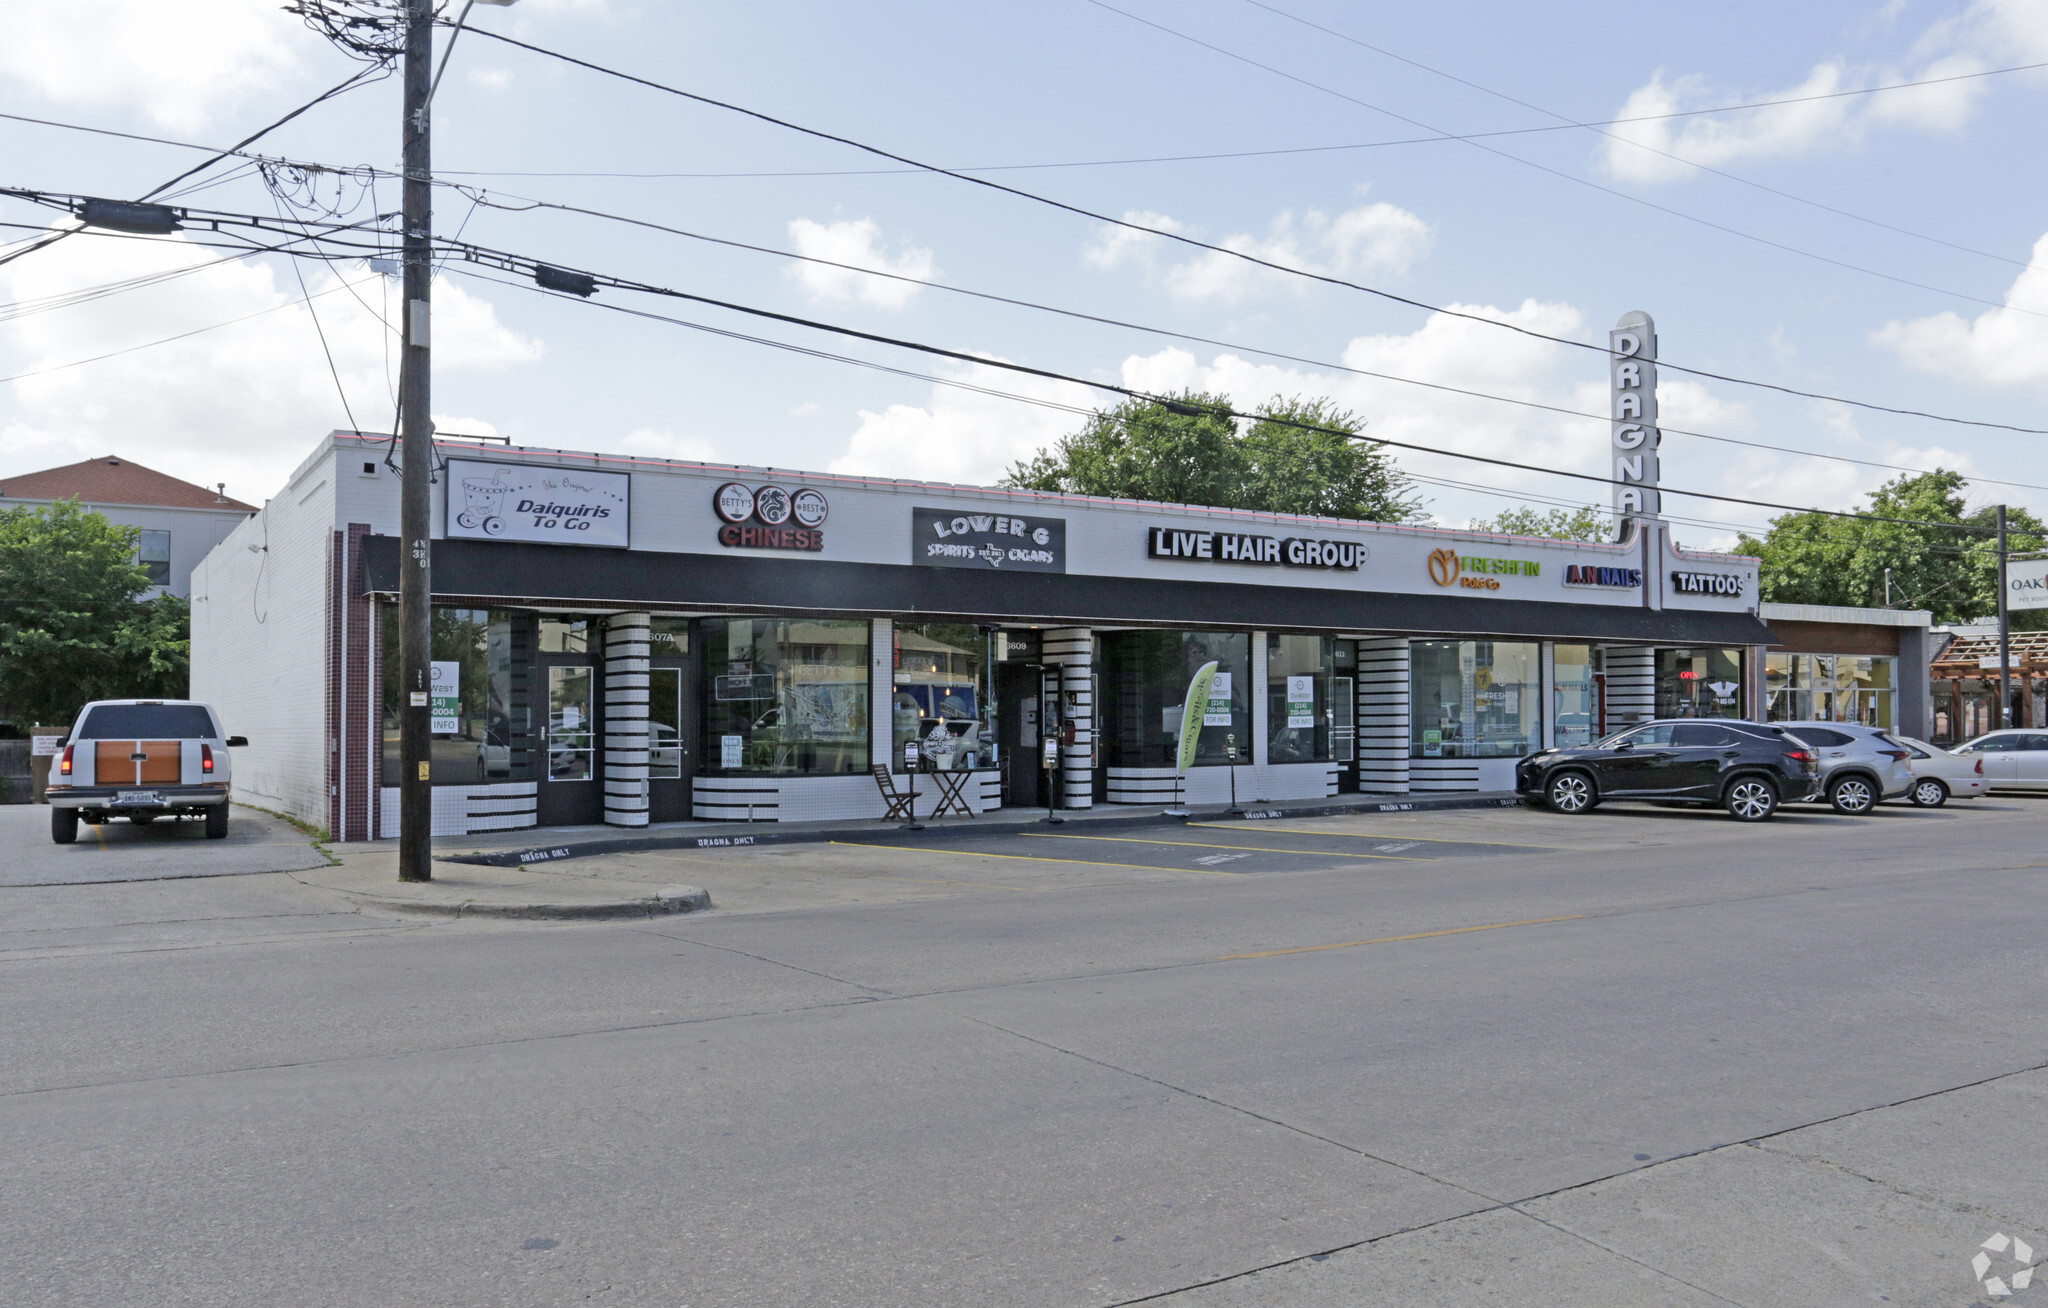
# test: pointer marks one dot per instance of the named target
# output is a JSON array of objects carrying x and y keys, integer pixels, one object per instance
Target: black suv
[{"x": 1749, "y": 768}]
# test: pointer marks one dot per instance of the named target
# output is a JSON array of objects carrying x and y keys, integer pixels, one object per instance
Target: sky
[{"x": 1890, "y": 248}]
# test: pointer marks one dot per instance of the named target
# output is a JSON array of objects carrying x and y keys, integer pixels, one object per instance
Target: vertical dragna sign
[{"x": 1632, "y": 346}]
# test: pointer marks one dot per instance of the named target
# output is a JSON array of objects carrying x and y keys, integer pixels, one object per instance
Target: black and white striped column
[
  {"x": 1383, "y": 716},
  {"x": 1072, "y": 650},
  {"x": 626, "y": 651},
  {"x": 1631, "y": 684}
]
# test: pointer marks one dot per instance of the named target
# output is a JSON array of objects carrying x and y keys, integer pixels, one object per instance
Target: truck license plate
[{"x": 137, "y": 797}]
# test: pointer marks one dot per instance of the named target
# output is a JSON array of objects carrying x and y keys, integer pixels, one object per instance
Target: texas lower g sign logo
[{"x": 1443, "y": 567}]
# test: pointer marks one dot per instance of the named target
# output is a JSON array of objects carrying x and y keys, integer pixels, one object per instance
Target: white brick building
[{"x": 627, "y": 640}]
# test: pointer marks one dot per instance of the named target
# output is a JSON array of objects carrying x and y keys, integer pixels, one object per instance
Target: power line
[
  {"x": 217, "y": 217},
  {"x": 197, "y": 331},
  {"x": 528, "y": 266},
  {"x": 1042, "y": 402},
  {"x": 1303, "y": 149},
  {"x": 1220, "y": 344},
  {"x": 1560, "y": 173},
  {"x": 1182, "y": 239},
  {"x": 250, "y": 139},
  {"x": 1566, "y": 122}
]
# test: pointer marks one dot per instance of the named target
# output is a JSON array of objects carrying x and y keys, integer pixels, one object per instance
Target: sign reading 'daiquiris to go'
[{"x": 532, "y": 502}]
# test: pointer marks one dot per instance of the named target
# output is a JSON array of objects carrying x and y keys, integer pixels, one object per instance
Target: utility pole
[
  {"x": 415, "y": 587},
  {"x": 2004, "y": 635}
]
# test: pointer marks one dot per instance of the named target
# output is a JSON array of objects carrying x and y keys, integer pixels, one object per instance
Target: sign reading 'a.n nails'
[{"x": 1633, "y": 370}]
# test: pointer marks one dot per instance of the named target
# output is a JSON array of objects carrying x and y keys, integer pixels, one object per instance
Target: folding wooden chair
[{"x": 898, "y": 801}]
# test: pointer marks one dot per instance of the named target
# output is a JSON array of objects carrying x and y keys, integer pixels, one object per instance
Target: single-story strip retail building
[{"x": 630, "y": 640}]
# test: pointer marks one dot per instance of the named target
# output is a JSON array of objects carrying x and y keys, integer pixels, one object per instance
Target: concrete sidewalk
[
  {"x": 366, "y": 879},
  {"x": 530, "y": 846}
]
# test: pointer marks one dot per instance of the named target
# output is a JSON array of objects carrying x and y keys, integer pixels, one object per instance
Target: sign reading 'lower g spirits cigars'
[
  {"x": 1000, "y": 542},
  {"x": 1268, "y": 551}
]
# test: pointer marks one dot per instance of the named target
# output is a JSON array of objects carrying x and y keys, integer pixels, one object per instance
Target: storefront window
[
  {"x": 482, "y": 727},
  {"x": 1572, "y": 694},
  {"x": 1142, "y": 682},
  {"x": 785, "y": 696},
  {"x": 1475, "y": 699},
  {"x": 1699, "y": 683},
  {"x": 1298, "y": 671},
  {"x": 941, "y": 695},
  {"x": 1831, "y": 688}
]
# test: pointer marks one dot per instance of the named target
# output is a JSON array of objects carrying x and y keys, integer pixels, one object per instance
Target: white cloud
[
  {"x": 859, "y": 243},
  {"x": 1113, "y": 247},
  {"x": 182, "y": 65},
  {"x": 1988, "y": 32},
  {"x": 240, "y": 404},
  {"x": 2006, "y": 346},
  {"x": 491, "y": 79},
  {"x": 1370, "y": 239},
  {"x": 963, "y": 436}
]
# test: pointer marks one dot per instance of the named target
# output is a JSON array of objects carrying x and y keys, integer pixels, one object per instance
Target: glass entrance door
[{"x": 570, "y": 792}]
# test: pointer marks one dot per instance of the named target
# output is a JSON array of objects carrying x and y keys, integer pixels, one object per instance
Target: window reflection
[
  {"x": 940, "y": 696},
  {"x": 785, "y": 695},
  {"x": 1474, "y": 699}
]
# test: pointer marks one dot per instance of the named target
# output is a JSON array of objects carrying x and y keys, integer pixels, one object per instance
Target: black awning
[{"x": 513, "y": 574}]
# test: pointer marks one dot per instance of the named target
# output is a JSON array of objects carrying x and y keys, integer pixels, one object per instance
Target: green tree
[
  {"x": 1183, "y": 451},
  {"x": 1817, "y": 558},
  {"x": 73, "y": 625},
  {"x": 1558, "y": 524}
]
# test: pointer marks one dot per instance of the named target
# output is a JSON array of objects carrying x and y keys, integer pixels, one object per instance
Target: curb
[
  {"x": 675, "y": 899},
  {"x": 877, "y": 834}
]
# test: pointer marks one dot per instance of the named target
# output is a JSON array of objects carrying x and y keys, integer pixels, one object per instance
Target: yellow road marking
[
  {"x": 1197, "y": 844},
  {"x": 1033, "y": 858},
  {"x": 1388, "y": 940},
  {"x": 99, "y": 833},
  {"x": 1353, "y": 835}
]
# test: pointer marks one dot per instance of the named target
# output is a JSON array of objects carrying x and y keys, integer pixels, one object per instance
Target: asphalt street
[{"x": 1643, "y": 1056}]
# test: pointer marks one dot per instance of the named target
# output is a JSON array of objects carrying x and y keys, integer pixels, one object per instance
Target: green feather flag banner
[{"x": 1191, "y": 713}]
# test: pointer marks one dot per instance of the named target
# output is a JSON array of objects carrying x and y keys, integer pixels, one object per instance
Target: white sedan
[{"x": 1937, "y": 774}]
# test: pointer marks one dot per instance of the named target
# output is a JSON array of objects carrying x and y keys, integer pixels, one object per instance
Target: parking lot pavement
[
  {"x": 164, "y": 849},
  {"x": 891, "y": 866}
]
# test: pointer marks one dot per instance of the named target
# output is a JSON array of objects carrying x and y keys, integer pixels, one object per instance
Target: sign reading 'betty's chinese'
[{"x": 1000, "y": 542}]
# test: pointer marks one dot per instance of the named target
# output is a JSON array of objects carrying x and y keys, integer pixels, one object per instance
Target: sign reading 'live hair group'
[
  {"x": 1003, "y": 542},
  {"x": 1271, "y": 551}
]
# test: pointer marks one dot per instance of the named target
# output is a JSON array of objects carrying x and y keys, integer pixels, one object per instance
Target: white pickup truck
[{"x": 142, "y": 759}]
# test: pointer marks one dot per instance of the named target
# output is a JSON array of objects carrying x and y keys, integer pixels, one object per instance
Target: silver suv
[{"x": 1859, "y": 766}]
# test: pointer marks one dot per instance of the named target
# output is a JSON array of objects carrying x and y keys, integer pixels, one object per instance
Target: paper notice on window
[
  {"x": 729, "y": 751},
  {"x": 444, "y": 701},
  {"x": 1216, "y": 711},
  {"x": 1301, "y": 702}
]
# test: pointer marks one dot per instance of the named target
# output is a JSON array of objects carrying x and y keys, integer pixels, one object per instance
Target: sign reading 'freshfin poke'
[{"x": 534, "y": 502}]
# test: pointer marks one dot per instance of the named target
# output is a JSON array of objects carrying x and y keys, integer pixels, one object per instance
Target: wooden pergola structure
[{"x": 1975, "y": 658}]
